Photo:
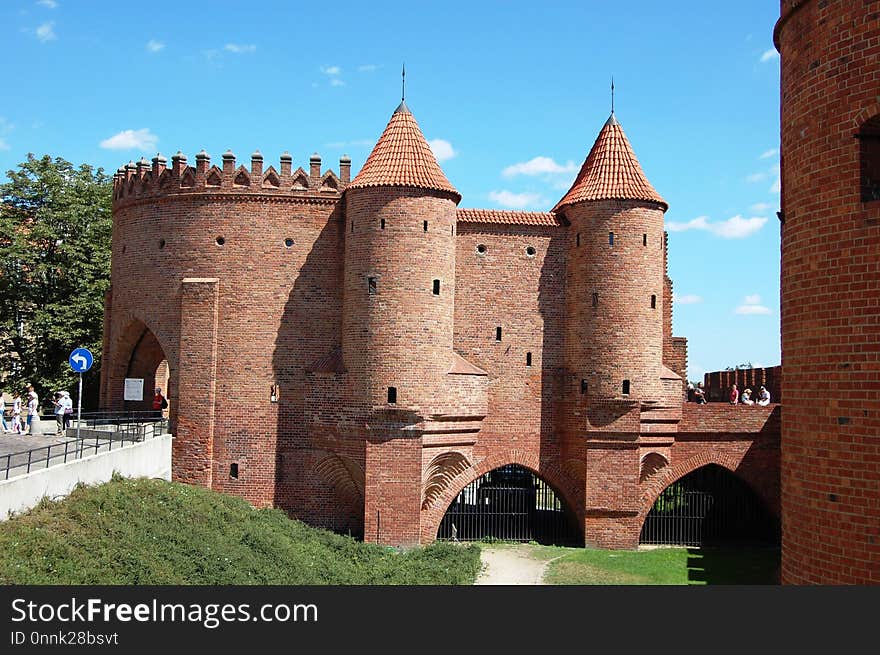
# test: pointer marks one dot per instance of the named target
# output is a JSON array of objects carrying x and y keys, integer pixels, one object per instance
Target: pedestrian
[
  {"x": 747, "y": 397},
  {"x": 33, "y": 406},
  {"x": 159, "y": 403},
  {"x": 16, "y": 414},
  {"x": 68, "y": 408},
  {"x": 763, "y": 397},
  {"x": 58, "y": 402},
  {"x": 734, "y": 394},
  {"x": 700, "y": 394},
  {"x": 3, "y": 422}
]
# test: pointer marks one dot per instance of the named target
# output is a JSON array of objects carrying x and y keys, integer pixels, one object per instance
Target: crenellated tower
[{"x": 615, "y": 279}]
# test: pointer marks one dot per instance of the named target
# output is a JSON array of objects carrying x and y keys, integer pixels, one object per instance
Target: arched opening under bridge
[
  {"x": 710, "y": 506},
  {"x": 510, "y": 503}
]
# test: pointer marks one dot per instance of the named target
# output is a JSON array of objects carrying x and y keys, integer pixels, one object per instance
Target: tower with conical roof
[
  {"x": 397, "y": 323},
  {"x": 615, "y": 276}
]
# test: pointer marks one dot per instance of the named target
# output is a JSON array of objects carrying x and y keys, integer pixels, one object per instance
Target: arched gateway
[
  {"x": 709, "y": 507},
  {"x": 510, "y": 503}
]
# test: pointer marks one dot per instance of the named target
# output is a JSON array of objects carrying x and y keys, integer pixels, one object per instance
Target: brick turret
[{"x": 614, "y": 336}]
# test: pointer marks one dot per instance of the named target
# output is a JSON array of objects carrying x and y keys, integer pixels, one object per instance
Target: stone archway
[{"x": 137, "y": 353}]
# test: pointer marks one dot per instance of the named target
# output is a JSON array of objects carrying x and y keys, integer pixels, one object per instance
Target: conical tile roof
[
  {"x": 611, "y": 172},
  {"x": 402, "y": 157}
]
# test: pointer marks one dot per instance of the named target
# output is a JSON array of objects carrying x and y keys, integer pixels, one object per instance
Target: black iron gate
[
  {"x": 709, "y": 507},
  {"x": 509, "y": 503}
]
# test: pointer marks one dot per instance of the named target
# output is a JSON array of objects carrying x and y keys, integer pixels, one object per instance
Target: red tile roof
[
  {"x": 506, "y": 217},
  {"x": 611, "y": 172},
  {"x": 402, "y": 157}
]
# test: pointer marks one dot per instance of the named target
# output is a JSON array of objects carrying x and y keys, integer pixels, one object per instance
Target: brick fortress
[{"x": 357, "y": 351}]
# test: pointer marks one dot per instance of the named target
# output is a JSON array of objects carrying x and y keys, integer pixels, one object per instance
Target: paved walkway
[{"x": 510, "y": 565}]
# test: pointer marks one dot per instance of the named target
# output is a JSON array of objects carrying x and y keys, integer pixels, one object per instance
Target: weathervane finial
[
  {"x": 403, "y": 84},
  {"x": 612, "y": 94}
]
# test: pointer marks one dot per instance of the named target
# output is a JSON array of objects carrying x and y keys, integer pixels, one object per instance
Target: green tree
[{"x": 55, "y": 230}]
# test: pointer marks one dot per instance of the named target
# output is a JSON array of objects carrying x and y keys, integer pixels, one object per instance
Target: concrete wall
[{"x": 150, "y": 458}]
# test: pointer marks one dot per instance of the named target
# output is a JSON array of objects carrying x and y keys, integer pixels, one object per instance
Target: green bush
[{"x": 138, "y": 531}]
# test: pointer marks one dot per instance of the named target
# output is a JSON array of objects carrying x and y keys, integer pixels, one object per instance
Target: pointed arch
[
  {"x": 242, "y": 177},
  {"x": 271, "y": 179},
  {"x": 300, "y": 180},
  {"x": 188, "y": 179},
  {"x": 550, "y": 472},
  {"x": 343, "y": 475},
  {"x": 215, "y": 177},
  {"x": 329, "y": 182}
]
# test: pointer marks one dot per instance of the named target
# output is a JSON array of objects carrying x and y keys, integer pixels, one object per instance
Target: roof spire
[
  {"x": 402, "y": 106},
  {"x": 612, "y": 94}
]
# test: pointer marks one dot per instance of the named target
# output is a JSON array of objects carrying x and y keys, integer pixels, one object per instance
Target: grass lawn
[
  {"x": 662, "y": 566},
  {"x": 156, "y": 532}
]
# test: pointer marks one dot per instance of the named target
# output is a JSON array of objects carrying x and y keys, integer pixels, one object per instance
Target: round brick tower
[
  {"x": 614, "y": 333},
  {"x": 829, "y": 291},
  {"x": 399, "y": 282}
]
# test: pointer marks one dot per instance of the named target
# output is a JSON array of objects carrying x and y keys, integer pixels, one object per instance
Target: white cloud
[
  {"x": 141, "y": 139},
  {"x": 777, "y": 186},
  {"x": 240, "y": 49},
  {"x": 769, "y": 55},
  {"x": 46, "y": 32},
  {"x": 752, "y": 306},
  {"x": 3, "y": 144},
  {"x": 756, "y": 177},
  {"x": 515, "y": 200},
  {"x": 539, "y": 166},
  {"x": 735, "y": 227},
  {"x": 760, "y": 207},
  {"x": 154, "y": 46},
  {"x": 442, "y": 149},
  {"x": 49, "y": 4},
  {"x": 686, "y": 299},
  {"x": 331, "y": 70},
  {"x": 367, "y": 68},
  {"x": 767, "y": 154},
  {"x": 336, "y": 82}
]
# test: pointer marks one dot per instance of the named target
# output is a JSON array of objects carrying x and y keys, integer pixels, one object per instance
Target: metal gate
[
  {"x": 509, "y": 503},
  {"x": 709, "y": 507}
]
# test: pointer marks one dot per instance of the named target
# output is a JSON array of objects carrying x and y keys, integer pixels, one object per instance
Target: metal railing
[{"x": 108, "y": 431}]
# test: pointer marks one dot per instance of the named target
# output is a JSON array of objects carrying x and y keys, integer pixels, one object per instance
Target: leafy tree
[{"x": 55, "y": 230}]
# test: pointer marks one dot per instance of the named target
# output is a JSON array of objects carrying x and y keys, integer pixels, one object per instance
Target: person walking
[
  {"x": 58, "y": 402},
  {"x": 68, "y": 408},
  {"x": 3, "y": 423},
  {"x": 33, "y": 406},
  {"x": 16, "y": 414}
]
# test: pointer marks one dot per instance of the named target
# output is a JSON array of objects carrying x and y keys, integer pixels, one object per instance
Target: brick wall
[
  {"x": 829, "y": 306},
  {"x": 717, "y": 383}
]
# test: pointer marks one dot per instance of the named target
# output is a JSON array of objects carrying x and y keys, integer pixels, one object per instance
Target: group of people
[
  {"x": 746, "y": 398},
  {"x": 698, "y": 394},
  {"x": 31, "y": 405}
]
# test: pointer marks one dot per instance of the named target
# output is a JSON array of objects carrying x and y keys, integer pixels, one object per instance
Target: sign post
[{"x": 80, "y": 361}]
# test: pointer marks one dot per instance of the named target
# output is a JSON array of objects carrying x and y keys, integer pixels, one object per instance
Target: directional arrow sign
[{"x": 81, "y": 360}]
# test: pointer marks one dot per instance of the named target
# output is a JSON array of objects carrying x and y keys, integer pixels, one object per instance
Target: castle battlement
[{"x": 142, "y": 180}]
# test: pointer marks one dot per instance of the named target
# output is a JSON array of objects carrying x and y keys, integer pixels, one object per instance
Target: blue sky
[{"x": 510, "y": 94}]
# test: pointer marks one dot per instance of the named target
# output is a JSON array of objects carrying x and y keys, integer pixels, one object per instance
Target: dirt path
[{"x": 511, "y": 565}]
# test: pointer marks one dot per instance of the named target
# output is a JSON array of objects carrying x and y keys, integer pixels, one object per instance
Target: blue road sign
[{"x": 81, "y": 360}]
